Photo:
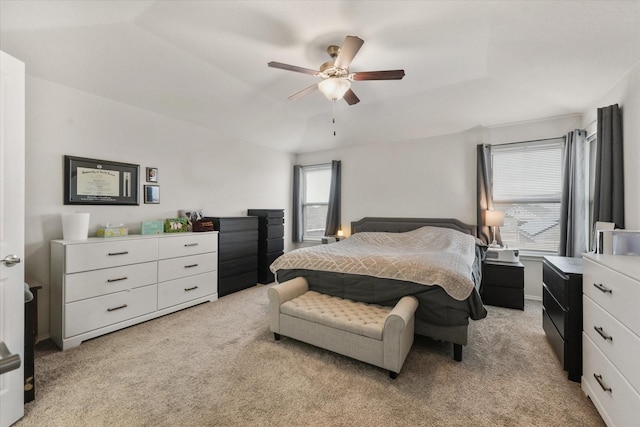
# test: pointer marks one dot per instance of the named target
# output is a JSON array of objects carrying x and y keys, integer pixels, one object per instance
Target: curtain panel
[
  {"x": 574, "y": 204},
  {"x": 296, "y": 213},
  {"x": 485, "y": 198},
  {"x": 608, "y": 198},
  {"x": 335, "y": 196}
]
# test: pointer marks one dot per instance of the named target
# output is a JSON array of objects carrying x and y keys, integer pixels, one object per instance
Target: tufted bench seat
[{"x": 381, "y": 336}]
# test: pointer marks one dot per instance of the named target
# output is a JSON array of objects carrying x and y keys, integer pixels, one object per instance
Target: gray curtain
[
  {"x": 573, "y": 208},
  {"x": 296, "y": 212},
  {"x": 608, "y": 198},
  {"x": 333, "y": 212},
  {"x": 485, "y": 198}
]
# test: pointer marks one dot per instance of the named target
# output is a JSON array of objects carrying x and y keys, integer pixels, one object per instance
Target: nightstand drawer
[
  {"x": 504, "y": 275},
  {"x": 501, "y": 296}
]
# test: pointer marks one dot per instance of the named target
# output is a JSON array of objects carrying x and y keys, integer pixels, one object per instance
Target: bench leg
[
  {"x": 276, "y": 336},
  {"x": 457, "y": 352},
  {"x": 393, "y": 375}
]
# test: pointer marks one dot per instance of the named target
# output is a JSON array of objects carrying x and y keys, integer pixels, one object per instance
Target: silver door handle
[
  {"x": 8, "y": 361},
  {"x": 11, "y": 260}
]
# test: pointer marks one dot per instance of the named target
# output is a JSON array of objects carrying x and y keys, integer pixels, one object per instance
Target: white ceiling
[{"x": 467, "y": 63}]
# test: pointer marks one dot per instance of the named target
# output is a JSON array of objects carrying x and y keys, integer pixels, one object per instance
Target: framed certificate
[{"x": 100, "y": 182}]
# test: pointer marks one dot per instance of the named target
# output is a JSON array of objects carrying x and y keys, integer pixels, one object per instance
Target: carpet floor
[{"x": 217, "y": 364}]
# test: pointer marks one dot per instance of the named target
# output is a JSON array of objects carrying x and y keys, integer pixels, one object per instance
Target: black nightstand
[{"x": 503, "y": 284}]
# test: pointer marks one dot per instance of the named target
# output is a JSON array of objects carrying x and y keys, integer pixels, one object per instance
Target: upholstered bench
[{"x": 381, "y": 336}]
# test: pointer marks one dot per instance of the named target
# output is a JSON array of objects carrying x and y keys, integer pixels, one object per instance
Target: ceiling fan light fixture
[{"x": 334, "y": 88}]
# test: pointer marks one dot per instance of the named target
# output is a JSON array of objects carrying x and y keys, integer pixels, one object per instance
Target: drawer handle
[
  {"x": 599, "y": 379},
  {"x": 117, "y": 280},
  {"x": 603, "y": 288},
  {"x": 600, "y": 330},
  {"x": 117, "y": 308},
  {"x": 188, "y": 245},
  {"x": 118, "y": 253},
  {"x": 190, "y": 289},
  {"x": 190, "y": 265}
]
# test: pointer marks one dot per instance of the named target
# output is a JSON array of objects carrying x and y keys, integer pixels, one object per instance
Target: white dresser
[
  {"x": 611, "y": 337},
  {"x": 100, "y": 285}
]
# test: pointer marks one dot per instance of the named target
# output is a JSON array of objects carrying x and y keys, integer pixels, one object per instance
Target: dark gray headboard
[{"x": 398, "y": 225}]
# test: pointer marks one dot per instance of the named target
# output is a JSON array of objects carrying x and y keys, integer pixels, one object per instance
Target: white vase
[{"x": 75, "y": 225}]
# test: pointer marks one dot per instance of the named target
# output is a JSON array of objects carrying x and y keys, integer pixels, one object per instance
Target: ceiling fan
[{"x": 336, "y": 78}]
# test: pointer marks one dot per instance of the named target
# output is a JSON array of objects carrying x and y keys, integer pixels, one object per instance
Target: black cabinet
[
  {"x": 270, "y": 240},
  {"x": 503, "y": 284},
  {"x": 562, "y": 310},
  {"x": 237, "y": 253}
]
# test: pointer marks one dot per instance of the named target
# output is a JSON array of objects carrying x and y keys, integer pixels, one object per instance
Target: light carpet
[{"x": 217, "y": 364}]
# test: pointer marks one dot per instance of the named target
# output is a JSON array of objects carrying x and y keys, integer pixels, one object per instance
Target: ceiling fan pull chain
[{"x": 333, "y": 120}]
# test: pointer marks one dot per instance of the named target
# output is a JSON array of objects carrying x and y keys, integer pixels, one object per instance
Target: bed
[{"x": 448, "y": 296}]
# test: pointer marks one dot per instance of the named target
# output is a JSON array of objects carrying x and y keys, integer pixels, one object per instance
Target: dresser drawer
[
  {"x": 89, "y": 284},
  {"x": 175, "y": 268},
  {"x": 272, "y": 245},
  {"x": 619, "y": 404},
  {"x": 555, "y": 311},
  {"x": 556, "y": 284},
  {"x": 616, "y": 341},
  {"x": 188, "y": 244},
  {"x": 92, "y": 256},
  {"x": 186, "y": 289},
  {"x": 89, "y": 314},
  {"x": 614, "y": 292}
]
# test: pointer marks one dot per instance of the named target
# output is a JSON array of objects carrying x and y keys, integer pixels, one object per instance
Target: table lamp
[{"x": 493, "y": 219}]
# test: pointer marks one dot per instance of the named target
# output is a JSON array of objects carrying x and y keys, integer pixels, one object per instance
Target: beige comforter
[{"x": 428, "y": 255}]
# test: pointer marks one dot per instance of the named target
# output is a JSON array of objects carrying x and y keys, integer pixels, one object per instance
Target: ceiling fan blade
[
  {"x": 351, "y": 97},
  {"x": 295, "y": 68},
  {"x": 350, "y": 47},
  {"x": 303, "y": 92},
  {"x": 379, "y": 75}
]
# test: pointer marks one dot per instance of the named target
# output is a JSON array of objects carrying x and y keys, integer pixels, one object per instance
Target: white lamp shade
[
  {"x": 334, "y": 88},
  {"x": 494, "y": 218}
]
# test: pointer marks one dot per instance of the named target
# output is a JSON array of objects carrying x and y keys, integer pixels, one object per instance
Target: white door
[{"x": 11, "y": 239}]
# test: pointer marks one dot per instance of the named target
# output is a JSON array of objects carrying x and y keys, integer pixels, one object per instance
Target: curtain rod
[{"x": 532, "y": 140}]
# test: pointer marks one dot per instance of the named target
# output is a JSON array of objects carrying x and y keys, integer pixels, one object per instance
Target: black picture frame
[
  {"x": 152, "y": 194},
  {"x": 100, "y": 182}
]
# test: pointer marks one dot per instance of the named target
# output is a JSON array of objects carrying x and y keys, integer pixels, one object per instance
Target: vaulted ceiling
[{"x": 467, "y": 63}]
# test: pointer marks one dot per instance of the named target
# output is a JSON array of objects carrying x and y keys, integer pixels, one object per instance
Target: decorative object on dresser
[
  {"x": 270, "y": 240},
  {"x": 503, "y": 284},
  {"x": 238, "y": 252},
  {"x": 102, "y": 285},
  {"x": 611, "y": 337},
  {"x": 562, "y": 310}
]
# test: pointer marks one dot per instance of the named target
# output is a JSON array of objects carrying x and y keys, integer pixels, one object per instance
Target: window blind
[{"x": 528, "y": 172}]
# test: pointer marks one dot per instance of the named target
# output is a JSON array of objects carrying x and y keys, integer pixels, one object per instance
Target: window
[
  {"x": 316, "y": 184},
  {"x": 527, "y": 186},
  {"x": 592, "y": 144}
]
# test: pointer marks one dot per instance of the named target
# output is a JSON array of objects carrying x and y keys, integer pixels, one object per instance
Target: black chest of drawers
[
  {"x": 503, "y": 284},
  {"x": 270, "y": 240},
  {"x": 562, "y": 310},
  {"x": 237, "y": 253}
]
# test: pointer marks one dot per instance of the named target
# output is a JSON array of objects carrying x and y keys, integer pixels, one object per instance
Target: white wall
[
  {"x": 627, "y": 95},
  {"x": 197, "y": 168}
]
